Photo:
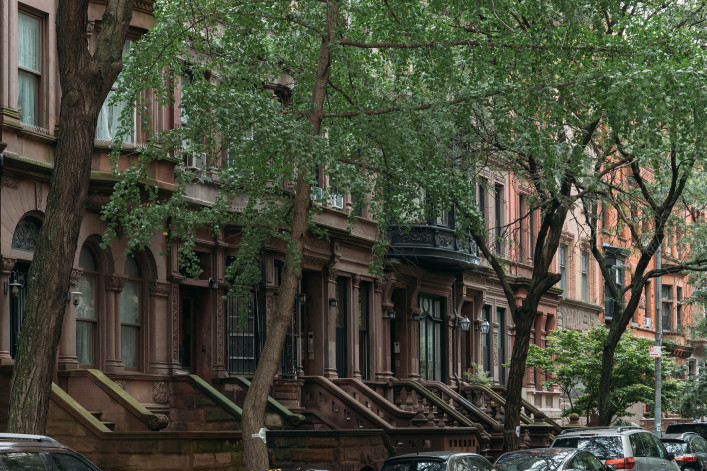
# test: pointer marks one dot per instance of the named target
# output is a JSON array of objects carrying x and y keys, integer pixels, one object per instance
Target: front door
[
  {"x": 18, "y": 298},
  {"x": 187, "y": 331}
]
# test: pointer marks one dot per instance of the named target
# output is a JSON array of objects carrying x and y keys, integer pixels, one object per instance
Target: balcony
[{"x": 432, "y": 246}]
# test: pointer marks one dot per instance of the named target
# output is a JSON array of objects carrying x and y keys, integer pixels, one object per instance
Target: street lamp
[{"x": 465, "y": 323}]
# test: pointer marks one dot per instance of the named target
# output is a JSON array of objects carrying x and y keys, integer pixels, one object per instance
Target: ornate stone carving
[
  {"x": 90, "y": 27},
  {"x": 219, "y": 332},
  {"x": 160, "y": 393},
  {"x": 356, "y": 279},
  {"x": 9, "y": 182},
  {"x": 26, "y": 234},
  {"x": 332, "y": 274},
  {"x": 115, "y": 282},
  {"x": 38, "y": 196},
  {"x": 174, "y": 312},
  {"x": 158, "y": 288},
  {"x": 6, "y": 265},
  {"x": 75, "y": 275},
  {"x": 121, "y": 383},
  {"x": 445, "y": 240}
]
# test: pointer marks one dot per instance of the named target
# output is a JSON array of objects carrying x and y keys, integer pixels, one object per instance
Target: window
[
  {"x": 562, "y": 262},
  {"x": 364, "y": 306},
  {"x": 486, "y": 340},
  {"x": 130, "y": 316},
  {"x": 522, "y": 227},
  {"x": 482, "y": 198},
  {"x": 678, "y": 309},
  {"x": 109, "y": 117},
  {"x": 585, "y": 277},
  {"x": 666, "y": 307},
  {"x": 531, "y": 235},
  {"x": 244, "y": 333},
  {"x": 430, "y": 338},
  {"x": 615, "y": 264},
  {"x": 86, "y": 309},
  {"x": 501, "y": 318},
  {"x": 28, "y": 67}
]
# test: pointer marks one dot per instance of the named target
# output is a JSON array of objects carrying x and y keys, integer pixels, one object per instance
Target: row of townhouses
[{"x": 153, "y": 364}]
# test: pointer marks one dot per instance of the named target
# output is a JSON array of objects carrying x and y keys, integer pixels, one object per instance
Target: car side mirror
[{"x": 671, "y": 456}]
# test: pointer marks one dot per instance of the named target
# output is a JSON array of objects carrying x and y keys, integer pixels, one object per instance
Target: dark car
[
  {"x": 699, "y": 428},
  {"x": 37, "y": 452},
  {"x": 438, "y": 461},
  {"x": 689, "y": 448},
  {"x": 548, "y": 459}
]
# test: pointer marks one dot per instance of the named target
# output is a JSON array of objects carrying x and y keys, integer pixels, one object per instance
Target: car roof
[
  {"x": 27, "y": 442},
  {"x": 602, "y": 430},
  {"x": 543, "y": 451},
  {"x": 442, "y": 455}
]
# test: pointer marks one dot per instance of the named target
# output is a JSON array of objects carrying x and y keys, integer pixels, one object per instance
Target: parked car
[
  {"x": 690, "y": 450},
  {"x": 699, "y": 428},
  {"x": 628, "y": 447},
  {"x": 438, "y": 461},
  {"x": 548, "y": 459},
  {"x": 37, "y": 452}
]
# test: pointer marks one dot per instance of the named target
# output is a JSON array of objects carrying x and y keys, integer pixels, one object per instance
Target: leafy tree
[
  {"x": 573, "y": 360},
  {"x": 694, "y": 399},
  {"x": 85, "y": 81}
]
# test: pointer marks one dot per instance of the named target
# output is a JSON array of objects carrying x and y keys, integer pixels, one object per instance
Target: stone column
[
  {"x": 114, "y": 286},
  {"x": 329, "y": 314},
  {"x": 354, "y": 338},
  {"x": 67, "y": 346},
  {"x": 6, "y": 266},
  {"x": 172, "y": 318},
  {"x": 380, "y": 334},
  {"x": 158, "y": 334}
]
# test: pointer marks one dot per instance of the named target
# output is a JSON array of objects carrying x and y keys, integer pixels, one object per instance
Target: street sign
[{"x": 655, "y": 351}]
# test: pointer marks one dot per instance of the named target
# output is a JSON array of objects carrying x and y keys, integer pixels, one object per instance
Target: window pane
[
  {"x": 129, "y": 344},
  {"x": 84, "y": 342},
  {"x": 28, "y": 42},
  {"x": 27, "y": 97},
  {"x": 86, "y": 309},
  {"x": 130, "y": 303}
]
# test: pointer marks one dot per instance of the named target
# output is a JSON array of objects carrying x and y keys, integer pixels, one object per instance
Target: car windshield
[
  {"x": 604, "y": 448},
  {"x": 676, "y": 447},
  {"x": 415, "y": 465},
  {"x": 21, "y": 461},
  {"x": 523, "y": 462}
]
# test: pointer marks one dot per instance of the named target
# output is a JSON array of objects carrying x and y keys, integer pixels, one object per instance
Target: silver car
[
  {"x": 620, "y": 447},
  {"x": 438, "y": 461}
]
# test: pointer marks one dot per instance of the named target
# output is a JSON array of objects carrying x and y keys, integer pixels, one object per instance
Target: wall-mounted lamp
[
  {"x": 13, "y": 286},
  {"x": 465, "y": 323},
  {"x": 301, "y": 297},
  {"x": 74, "y": 297},
  {"x": 213, "y": 283},
  {"x": 484, "y": 327},
  {"x": 333, "y": 302},
  {"x": 391, "y": 313}
]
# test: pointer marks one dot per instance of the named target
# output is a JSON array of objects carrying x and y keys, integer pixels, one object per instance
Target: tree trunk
[
  {"x": 85, "y": 85},
  {"x": 606, "y": 408},
  {"x": 256, "y": 452},
  {"x": 514, "y": 390}
]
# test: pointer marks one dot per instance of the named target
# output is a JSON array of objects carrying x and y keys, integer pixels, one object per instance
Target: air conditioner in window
[
  {"x": 195, "y": 161},
  {"x": 337, "y": 201},
  {"x": 648, "y": 322},
  {"x": 316, "y": 193}
]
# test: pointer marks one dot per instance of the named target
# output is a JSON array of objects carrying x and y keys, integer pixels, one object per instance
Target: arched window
[
  {"x": 130, "y": 314},
  {"x": 86, "y": 309}
]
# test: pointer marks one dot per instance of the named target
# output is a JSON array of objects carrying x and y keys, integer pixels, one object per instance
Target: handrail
[
  {"x": 429, "y": 395},
  {"x": 294, "y": 419}
]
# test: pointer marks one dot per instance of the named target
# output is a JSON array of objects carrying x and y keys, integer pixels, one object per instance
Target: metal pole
[{"x": 658, "y": 341}]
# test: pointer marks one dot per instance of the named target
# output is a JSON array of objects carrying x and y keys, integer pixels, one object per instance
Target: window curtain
[
  {"x": 85, "y": 319},
  {"x": 27, "y": 58},
  {"x": 109, "y": 117},
  {"x": 130, "y": 320}
]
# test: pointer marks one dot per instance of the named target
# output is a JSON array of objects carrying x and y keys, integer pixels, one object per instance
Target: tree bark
[
  {"x": 514, "y": 389},
  {"x": 256, "y": 452},
  {"x": 85, "y": 83}
]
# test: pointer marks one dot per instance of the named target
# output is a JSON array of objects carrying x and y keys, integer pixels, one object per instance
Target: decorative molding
[
  {"x": 219, "y": 332},
  {"x": 122, "y": 384},
  {"x": 90, "y": 27},
  {"x": 356, "y": 280},
  {"x": 332, "y": 274},
  {"x": 115, "y": 282},
  {"x": 38, "y": 196},
  {"x": 159, "y": 288},
  {"x": 160, "y": 393}
]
